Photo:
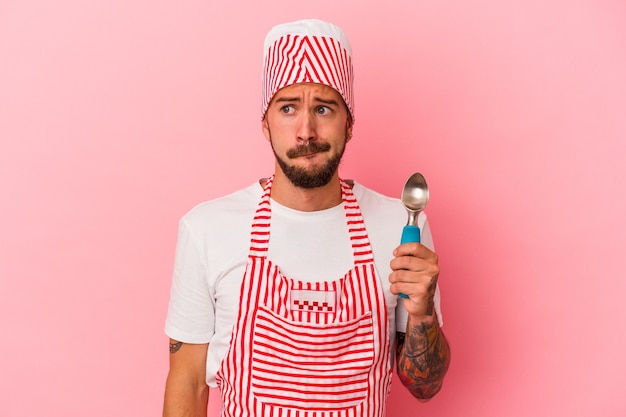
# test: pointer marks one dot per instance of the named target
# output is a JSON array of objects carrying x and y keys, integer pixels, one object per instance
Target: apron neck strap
[{"x": 260, "y": 235}]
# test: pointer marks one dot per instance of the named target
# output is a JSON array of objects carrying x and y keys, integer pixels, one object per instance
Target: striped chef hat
[{"x": 307, "y": 51}]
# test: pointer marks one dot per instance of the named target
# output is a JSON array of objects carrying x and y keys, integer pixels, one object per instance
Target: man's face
[{"x": 308, "y": 126}]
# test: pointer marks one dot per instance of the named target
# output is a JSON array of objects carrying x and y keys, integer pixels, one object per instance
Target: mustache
[{"x": 309, "y": 148}]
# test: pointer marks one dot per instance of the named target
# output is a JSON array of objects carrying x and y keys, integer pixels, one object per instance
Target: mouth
[
  {"x": 308, "y": 151},
  {"x": 310, "y": 156}
]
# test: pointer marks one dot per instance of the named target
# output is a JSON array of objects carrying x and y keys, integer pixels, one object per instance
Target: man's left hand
[{"x": 415, "y": 270}]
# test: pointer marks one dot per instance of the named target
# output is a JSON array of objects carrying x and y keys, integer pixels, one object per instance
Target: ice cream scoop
[{"x": 414, "y": 197}]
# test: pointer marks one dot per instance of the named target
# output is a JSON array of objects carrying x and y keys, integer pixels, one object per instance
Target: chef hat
[{"x": 307, "y": 51}]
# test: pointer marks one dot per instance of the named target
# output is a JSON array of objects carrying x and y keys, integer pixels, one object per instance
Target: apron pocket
[{"x": 308, "y": 366}]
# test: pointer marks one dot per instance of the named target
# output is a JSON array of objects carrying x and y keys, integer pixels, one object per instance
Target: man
[{"x": 261, "y": 304}]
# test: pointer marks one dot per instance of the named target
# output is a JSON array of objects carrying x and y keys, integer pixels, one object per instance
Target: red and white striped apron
[{"x": 308, "y": 349}]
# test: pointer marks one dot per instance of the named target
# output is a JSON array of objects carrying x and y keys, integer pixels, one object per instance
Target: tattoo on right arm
[{"x": 175, "y": 346}]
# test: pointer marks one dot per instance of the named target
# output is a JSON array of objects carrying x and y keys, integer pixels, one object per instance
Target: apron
[{"x": 308, "y": 349}]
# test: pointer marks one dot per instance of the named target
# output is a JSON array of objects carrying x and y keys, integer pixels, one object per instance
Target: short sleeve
[{"x": 191, "y": 312}]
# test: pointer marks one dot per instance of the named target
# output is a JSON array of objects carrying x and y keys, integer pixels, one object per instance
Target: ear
[
  {"x": 266, "y": 128},
  {"x": 349, "y": 126}
]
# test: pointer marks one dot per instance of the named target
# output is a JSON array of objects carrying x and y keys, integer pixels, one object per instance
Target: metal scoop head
[{"x": 415, "y": 196}]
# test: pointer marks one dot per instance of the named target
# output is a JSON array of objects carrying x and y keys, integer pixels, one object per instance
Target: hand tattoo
[{"x": 174, "y": 347}]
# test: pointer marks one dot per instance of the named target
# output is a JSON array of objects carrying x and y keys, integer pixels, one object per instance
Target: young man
[{"x": 285, "y": 293}]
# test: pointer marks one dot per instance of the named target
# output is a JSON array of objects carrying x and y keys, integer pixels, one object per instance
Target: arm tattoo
[
  {"x": 423, "y": 357},
  {"x": 174, "y": 347}
]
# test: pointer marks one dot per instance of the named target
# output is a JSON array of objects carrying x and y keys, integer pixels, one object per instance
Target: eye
[
  {"x": 287, "y": 109},
  {"x": 323, "y": 110}
]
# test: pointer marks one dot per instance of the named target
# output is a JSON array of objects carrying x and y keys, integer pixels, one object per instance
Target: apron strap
[
  {"x": 260, "y": 235},
  {"x": 356, "y": 227}
]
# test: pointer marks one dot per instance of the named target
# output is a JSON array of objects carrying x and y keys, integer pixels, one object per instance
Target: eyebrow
[
  {"x": 324, "y": 101},
  {"x": 286, "y": 99},
  {"x": 297, "y": 100}
]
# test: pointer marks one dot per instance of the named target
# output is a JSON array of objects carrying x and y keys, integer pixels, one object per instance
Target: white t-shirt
[{"x": 212, "y": 252}]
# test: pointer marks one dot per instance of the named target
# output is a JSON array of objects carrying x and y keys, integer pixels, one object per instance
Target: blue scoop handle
[{"x": 410, "y": 233}]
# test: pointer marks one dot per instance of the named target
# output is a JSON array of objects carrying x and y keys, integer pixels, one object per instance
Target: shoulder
[
  {"x": 374, "y": 202},
  {"x": 382, "y": 210},
  {"x": 235, "y": 209}
]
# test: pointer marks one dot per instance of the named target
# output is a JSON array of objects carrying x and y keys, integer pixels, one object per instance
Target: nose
[{"x": 306, "y": 128}]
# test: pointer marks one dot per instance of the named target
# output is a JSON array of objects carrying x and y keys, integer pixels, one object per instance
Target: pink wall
[{"x": 118, "y": 116}]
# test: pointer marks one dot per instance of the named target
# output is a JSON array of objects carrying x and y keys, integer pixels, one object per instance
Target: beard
[{"x": 310, "y": 178}]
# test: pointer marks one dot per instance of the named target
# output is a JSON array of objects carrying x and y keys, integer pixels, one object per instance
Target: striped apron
[{"x": 308, "y": 349}]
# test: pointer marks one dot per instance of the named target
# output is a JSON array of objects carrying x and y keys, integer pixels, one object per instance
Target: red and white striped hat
[{"x": 307, "y": 51}]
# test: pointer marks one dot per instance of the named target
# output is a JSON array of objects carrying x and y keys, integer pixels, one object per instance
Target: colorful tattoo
[{"x": 423, "y": 357}]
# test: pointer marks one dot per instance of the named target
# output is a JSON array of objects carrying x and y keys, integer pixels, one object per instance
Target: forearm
[
  {"x": 422, "y": 357},
  {"x": 184, "y": 399},
  {"x": 186, "y": 391}
]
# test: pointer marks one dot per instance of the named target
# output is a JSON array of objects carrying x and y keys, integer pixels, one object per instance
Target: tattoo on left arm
[{"x": 423, "y": 357}]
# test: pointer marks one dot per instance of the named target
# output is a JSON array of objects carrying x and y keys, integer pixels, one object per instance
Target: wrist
[
  {"x": 422, "y": 334},
  {"x": 423, "y": 319}
]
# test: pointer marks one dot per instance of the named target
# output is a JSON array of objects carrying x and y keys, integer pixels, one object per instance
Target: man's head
[{"x": 307, "y": 101}]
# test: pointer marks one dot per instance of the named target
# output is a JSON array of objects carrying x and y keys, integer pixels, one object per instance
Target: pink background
[{"x": 117, "y": 116}]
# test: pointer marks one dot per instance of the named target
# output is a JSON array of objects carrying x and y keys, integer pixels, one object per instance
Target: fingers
[
  {"x": 415, "y": 271},
  {"x": 413, "y": 249},
  {"x": 415, "y": 257},
  {"x": 411, "y": 282}
]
